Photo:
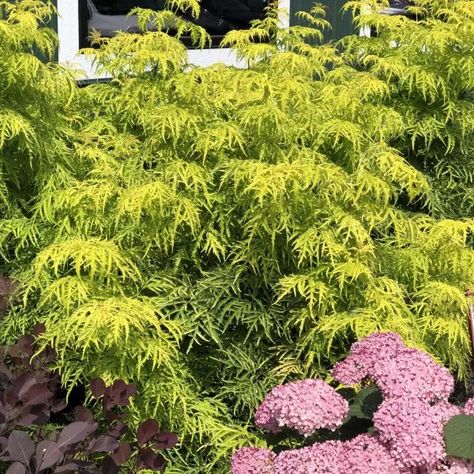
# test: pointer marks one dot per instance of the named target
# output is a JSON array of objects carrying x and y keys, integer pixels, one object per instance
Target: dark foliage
[
  {"x": 7, "y": 287},
  {"x": 41, "y": 433}
]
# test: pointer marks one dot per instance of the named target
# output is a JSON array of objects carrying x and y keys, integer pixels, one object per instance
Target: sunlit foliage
[{"x": 208, "y": 233}]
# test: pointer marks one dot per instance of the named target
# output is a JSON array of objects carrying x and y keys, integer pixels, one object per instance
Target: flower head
[
  {"x": 361, "y": 455},
  {"x": 408, "y": 436},
  {"x": 398, "y": 370},
  {"x": 469, "y": 407},
  {"x": 413, "y": 431},
  {"x": 253, "y": 461},
  {"x": 305, "y": 406}
]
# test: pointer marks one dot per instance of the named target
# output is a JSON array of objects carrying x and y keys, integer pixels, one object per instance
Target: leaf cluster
[
  {"x": 208, "y": 233},
  {"x": 37, "y": 435}
]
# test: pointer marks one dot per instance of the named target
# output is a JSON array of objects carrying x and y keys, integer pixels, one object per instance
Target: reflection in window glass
[
  {"x": 217, "y": 16},
  {"x": 396, "y": 7}
]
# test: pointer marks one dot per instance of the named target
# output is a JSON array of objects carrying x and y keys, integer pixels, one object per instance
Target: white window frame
[{"x": 69, "y": 40}]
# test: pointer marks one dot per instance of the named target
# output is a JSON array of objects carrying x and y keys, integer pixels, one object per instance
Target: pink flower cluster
[
  {"x": 253, "y": 461},
  {"x": 469, "y": 407},
  {"x": 398, "y": 371},
  {"x": 363, "y": 454},
  {"x": 413, "y": 431},
  {"x": 453, "y": 466},
  {"x": 415, "y": 389},
  {"x": 408, "y": 436},
  {"x": 305, "y": 406}
]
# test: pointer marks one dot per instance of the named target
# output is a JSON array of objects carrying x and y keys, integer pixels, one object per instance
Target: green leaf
[
  {"x": 366, "y": 402},
  {"x": 459, "y": 436}
]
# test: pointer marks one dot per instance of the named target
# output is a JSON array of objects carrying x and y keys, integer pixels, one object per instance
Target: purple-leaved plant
[{"x": 83, "y": 443}]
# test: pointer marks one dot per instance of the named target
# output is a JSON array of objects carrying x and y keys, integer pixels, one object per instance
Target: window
[
  {"x": 217, "y": 16},
  {"x": 396, "y": 7}
]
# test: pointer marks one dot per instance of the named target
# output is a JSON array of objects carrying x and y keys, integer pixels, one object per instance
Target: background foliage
[{"x": 209, "y": 233}]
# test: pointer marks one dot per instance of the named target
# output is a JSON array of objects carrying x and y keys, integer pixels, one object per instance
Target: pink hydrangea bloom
[
  {"x": 469, "y": 407},
  {"x": 396, "y": 369},
  {"x": 413, "y": 431},
  {"x": 305, "y": 406},
  {"x": 319, "y": 457},
  {"x": 253, "y": 461},
  {"x": 456, "y": 466},
  {"x": 361, "y": 455},
  {"x": 365, "y": 354},
  {"x": 408, "y": 436},
  {"x": 447, "y": 466}
]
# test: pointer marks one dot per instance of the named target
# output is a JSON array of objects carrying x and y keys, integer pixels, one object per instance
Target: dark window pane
[
  {"x": 217, "y": 16},
  {"x": 122, "y": 7}
]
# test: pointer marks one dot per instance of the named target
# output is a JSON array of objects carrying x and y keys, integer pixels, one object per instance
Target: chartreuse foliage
[
  {"x": 429, "y": 66},
  {"x": 208, "y": 233}
]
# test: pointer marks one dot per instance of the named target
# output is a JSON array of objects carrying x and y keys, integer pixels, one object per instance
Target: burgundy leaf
[
  {"x": 103, "y": 444},
  {"x": 117, "y": 430},
  {"x": 4, "y": 368},
  {"x": 146, "y": 431},
  {"x": 7, "y": 410},
  {"x": 83, "y": 414},
  {"x": 118, "y": 394},
  {"x": 33, "y": 415},
  {"x": 16, "y": 468},
  {"x": 9, "y": 397},
  {"x": 98, "y": 387},
  {"x": 147, "y": 458},
  {"x": 71, "y": 434},
  {"x": 3, "y": 303},
  {"x": 131, "y": 390},
  {"x": 109, "y": 402},
  {"x": 69, "y": 468},
  {"x": 76, "y": 432},
  {"x": 7, "y": 285},
  {"x": 114, "y": 394},
  {"x": 109, "y": 466},
  {"x": 20, "y": 447},
  {"x": 23, "y": 383},
  {"x": 166, "y": 440},
  {"x": 39, "y": 329},
  {"x": 47, "y": 454},
  {"x": 36, "y": 394},
  {"x": 75, "y": 466},
  {"x": 117, "y": 388},
  {"x": 48, "y": 354},
  {"x": 122, "y": 453},
  {"x": 24, "y": 345},
  {"x": 113, "y": 417},
  {"x": 58, "y": 406}
]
